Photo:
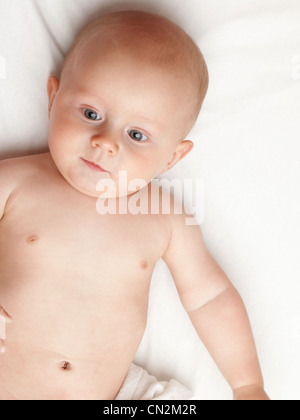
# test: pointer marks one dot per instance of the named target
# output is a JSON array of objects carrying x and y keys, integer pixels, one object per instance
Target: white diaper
[{"x": 139, "y": 385}]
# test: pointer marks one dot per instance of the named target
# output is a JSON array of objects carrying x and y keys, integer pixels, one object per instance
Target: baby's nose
[{"x": 105, "y": 143}]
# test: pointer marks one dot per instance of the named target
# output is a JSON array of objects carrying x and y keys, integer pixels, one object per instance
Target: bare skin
[
  {"x": 75, "y": 283},
  {"x": 77, "y": 292}
]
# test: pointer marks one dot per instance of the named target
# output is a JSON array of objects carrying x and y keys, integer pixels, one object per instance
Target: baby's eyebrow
[
  {"x": 84, "y": 95},
  {"x": 145, "y": 118},
  {"x": 142, "y": 119}
]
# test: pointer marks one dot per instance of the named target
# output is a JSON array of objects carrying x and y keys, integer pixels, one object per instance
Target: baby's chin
[
  {"x": 104, "y": 189},
  {"x": 104, "y": 185}
]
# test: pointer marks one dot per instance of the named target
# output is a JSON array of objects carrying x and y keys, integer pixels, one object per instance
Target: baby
[{"x": 74, "y": 283}]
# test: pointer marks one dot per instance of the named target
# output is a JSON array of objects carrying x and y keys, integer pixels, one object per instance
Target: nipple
[{"x": 144, "y": 265}]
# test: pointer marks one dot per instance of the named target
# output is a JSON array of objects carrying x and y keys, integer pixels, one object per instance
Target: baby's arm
[{"x": 216, "y": 310}]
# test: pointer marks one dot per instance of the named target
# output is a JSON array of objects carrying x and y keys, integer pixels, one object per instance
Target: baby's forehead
[
  {"x": 148, "y": 41},
  {"x": 134, "y": 28},
  {"x": 141, "y": 36}
]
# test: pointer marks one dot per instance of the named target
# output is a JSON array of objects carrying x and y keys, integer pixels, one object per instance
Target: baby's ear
[
  {"x": 183, "y": 149},
  {"x": 52, "y": 88}
]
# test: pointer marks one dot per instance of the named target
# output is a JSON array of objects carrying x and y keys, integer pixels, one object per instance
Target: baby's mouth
[{"x": 93, "y": 166}]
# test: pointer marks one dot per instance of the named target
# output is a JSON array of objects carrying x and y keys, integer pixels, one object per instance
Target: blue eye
[
  {"x": 91, "y": 115},
  {"x": 137, "y": 135}
]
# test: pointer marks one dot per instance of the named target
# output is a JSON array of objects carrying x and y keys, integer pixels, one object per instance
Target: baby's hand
[{"x": 4, "y": 319}]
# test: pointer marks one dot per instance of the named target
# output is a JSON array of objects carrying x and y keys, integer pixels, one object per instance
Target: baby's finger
[
  {"x": 2, "y": 328},
  {"x": 5, "y": 314},
  {"x": 2, "y": 347},
  {"x": 4, "y": 319}
]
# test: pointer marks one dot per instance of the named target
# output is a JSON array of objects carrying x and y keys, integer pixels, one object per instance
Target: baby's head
[{"x": 130, "y": 91}]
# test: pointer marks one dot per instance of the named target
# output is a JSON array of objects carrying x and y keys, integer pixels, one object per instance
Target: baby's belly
[
  {"x": 41, "y": 375},
  {"x": 54, "y": 354}
]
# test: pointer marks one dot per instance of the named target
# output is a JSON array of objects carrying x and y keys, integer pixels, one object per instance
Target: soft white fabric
[
  {"x": 139, "y": 385},
  {"x": 246, "y": 151}
]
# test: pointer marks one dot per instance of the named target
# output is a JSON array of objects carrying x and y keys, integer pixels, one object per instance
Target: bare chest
[{"x": 54, "y": 243}]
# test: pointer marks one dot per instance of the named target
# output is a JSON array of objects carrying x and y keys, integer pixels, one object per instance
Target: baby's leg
[{"x": 139, "y": 385}]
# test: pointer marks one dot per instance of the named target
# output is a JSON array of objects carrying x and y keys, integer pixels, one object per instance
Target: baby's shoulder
[{"x": 14, "y": 172}]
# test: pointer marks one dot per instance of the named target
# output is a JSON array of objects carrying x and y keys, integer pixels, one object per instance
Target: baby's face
[{"x": 113, "y": 114}]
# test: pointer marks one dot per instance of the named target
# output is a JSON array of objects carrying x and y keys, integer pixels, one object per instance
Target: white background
[{"x": 247, "y": 152}]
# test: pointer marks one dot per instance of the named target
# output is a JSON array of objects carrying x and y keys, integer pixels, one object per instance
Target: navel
[
  {"x": 66, "y": 365},
  {"x": 32, "y": 239}
]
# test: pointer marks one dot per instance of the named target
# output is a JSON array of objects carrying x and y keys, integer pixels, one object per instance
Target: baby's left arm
[{"x": 216, "y": 310}]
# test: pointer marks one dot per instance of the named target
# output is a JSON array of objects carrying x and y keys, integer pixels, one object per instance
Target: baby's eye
[
  {"x": 137, "y": 135},
  {"x": 91, "y": 114}
]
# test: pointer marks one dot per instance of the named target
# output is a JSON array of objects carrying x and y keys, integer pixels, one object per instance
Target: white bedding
[{"x": 247, "y": 154}]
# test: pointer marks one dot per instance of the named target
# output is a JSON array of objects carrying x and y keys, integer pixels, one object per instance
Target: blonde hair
[{"x": 152, "y": 39}]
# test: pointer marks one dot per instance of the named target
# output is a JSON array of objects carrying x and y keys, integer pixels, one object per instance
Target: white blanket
[{"x": 247, "y": 153}]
